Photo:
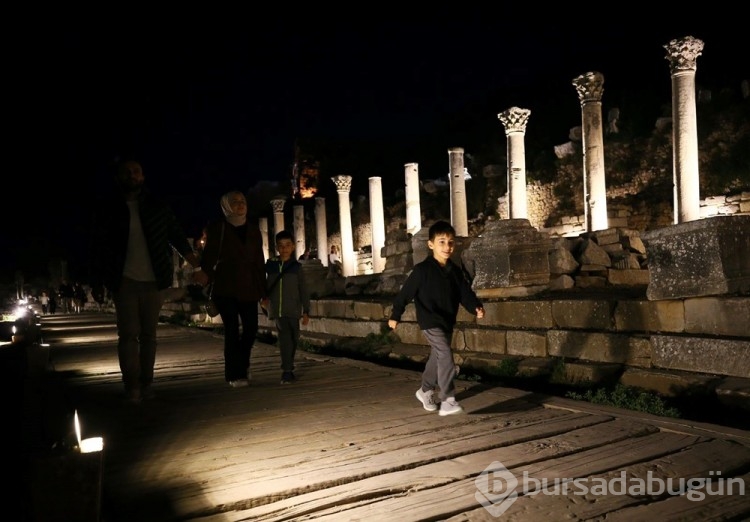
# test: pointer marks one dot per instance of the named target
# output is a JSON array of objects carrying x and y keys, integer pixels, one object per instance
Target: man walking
[{"x": 134, "y": 235}]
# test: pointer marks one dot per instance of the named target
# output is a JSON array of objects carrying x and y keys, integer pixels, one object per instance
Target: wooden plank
[
  {"x": 361, "y": 412},
  {"x": 455, "y": 497},
  {"x": 423, "y": 477},
  {"x": 701, "y": 460},
  {"x": 734, "y": 506},
  {"x": 263, "y": 459}
]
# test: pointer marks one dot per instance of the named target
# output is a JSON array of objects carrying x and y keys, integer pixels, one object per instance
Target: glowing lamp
[{"x": 89, "y": 445}]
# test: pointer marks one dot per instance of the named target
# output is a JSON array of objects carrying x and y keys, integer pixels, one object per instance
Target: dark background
[{"x": 211, "y": 101}]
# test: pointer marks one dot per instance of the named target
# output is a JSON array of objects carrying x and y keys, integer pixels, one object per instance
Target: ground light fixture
[{"x": 89, "y": 445}]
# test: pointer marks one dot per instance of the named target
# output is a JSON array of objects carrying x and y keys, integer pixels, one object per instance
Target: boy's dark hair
[
  {"x": 440, "y": 228},
  {"x": 284, "y": 234}
]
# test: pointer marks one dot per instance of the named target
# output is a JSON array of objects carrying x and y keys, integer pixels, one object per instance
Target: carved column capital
[
  {"x": 682, "y": 53},
  {"x": 589, "y": 86},
  {"x": 514, "y": 119},
  {"x": 343, "y": 183},
  {"x": 278, "y": 205}
]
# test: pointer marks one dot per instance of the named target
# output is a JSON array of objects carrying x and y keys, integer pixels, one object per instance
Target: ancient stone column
[
  {"x": 514, "y": 120},
  {"x": 377, "y": 224},
  {"x": 682, "y": 55},
  {"x": 321, "y": 229},
  {"x": 278, "y": 219},
  {"x": 413, "y": 209},
  {"x": 459, "y": 218},
  {"x": 176, "y": 269},
  {"x": 343, "y": 186},
  {"x": 590, "y": 87},
  {"x": 263, "y": 225},
  {"x": 299, "y": 230}
]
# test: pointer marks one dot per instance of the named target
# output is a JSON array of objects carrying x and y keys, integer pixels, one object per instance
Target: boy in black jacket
[
  {"x": 437, "y": 285},
  {"x": 288, "y": 301}
]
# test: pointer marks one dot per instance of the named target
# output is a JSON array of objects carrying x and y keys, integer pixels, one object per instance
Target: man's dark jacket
[{"x": 110, "y": 239}]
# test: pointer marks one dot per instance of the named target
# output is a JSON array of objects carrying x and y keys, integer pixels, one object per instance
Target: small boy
[
  {"x": 437, "y": 286},
  {"x": 288, "y": 300}
]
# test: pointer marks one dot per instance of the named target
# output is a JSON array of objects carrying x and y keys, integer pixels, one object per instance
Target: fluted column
[
  {"x": 514, "y": 119},
  {"x": 590, "y": 87},
  {"x": 263, "y": 225},
  {"x": 413, "y": 209},
  {"x": 278, "y": 219},
  {"x": 299, "y": 230},
  {"x": 321, "y": 229},
  {"x": 377, "y": 224},
  {"x": 682, "y": 55},
  {"x": 343, "y": 186},
  {"x": 459, "y": 218}
]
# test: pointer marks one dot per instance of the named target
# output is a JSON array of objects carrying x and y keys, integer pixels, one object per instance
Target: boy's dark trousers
[{"x": 288, "y": 332}]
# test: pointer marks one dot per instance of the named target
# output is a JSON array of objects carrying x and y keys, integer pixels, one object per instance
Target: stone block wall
[{"x": 704, "y": 338}]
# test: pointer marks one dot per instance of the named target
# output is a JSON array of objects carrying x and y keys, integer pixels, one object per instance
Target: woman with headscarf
[{"x": 234, "y": 262}]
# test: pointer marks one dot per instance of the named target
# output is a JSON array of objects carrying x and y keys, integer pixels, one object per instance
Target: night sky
[{"x": 213, "y": 102}]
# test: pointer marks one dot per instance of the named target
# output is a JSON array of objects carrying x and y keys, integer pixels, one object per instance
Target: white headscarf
[{"x": 233, "y": 218}]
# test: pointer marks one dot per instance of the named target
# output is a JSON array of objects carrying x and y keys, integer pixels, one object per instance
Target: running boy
[
  {"x": 437, "y": 286},
  {"x": 288, "y": 301}
]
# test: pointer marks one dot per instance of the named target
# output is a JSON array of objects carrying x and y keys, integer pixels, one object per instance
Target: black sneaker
[
  {"x": 132, "y": 397},
  {"x": 147, "y": 393},
  {"x": 287, "y": 378}
]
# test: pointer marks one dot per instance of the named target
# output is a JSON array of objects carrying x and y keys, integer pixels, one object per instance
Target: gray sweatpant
[{"x": 440, "y": 369}]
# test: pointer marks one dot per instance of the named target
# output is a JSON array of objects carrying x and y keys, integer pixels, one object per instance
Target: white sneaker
[
  {"x": 450, "y": 407},
  {"x": 426, "y": 399},
  {"x": 239, "y": 383}
]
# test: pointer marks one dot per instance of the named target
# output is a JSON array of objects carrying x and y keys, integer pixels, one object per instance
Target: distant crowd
[{"x": 69, "y": 298}]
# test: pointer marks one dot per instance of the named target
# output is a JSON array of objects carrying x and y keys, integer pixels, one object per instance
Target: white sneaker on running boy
[
  {"x": 426, "y": 399},
  {"x": 450, "y": 407}
]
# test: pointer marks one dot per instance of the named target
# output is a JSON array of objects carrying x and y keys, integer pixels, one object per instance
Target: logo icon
[{"x": 496, "y": 489}]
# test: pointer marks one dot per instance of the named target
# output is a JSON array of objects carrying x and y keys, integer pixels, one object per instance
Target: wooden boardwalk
[{"x": 349, "y": 441}]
